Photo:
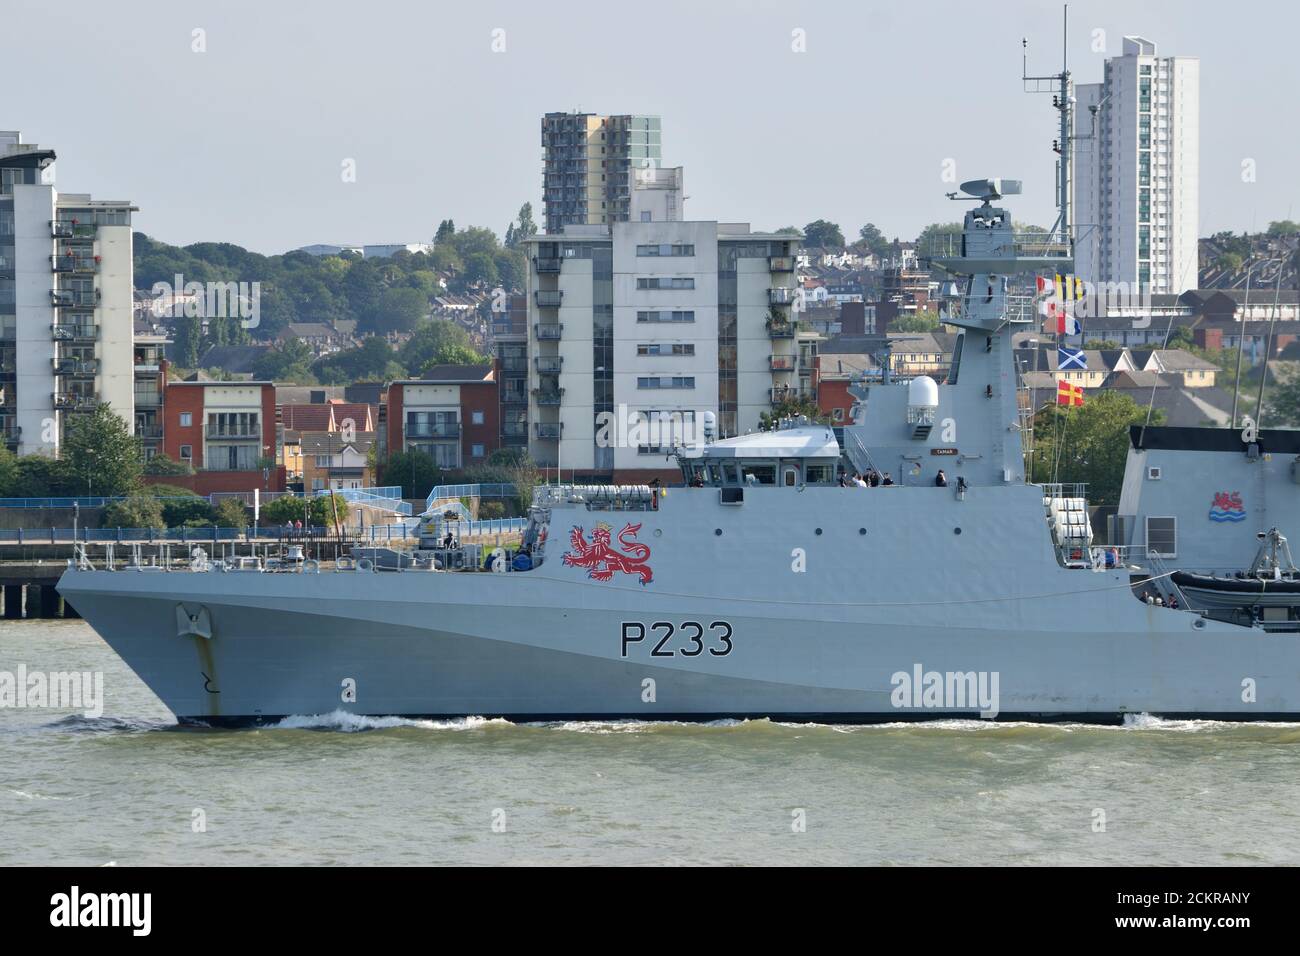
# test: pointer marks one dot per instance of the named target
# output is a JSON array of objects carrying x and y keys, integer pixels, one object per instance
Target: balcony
[
  {"x": 780, "y": 263},
  {"x": 75, "y": 331},
  {"x": 782, "y": 363},
  {"x": 60, "y": 230},
  {"x": 782, "y": 296},
  {"x": 548, "y": 396},
  {"x": 788, "y": 394},
  {"x": 151, "y": 432},
  {"x": 548, "y": 331},
  {"x": 548, "y": 430},
  {"x": 514, "y": 363},
  {"x": 10, "y": 434},
  {"x": 446, "y": 430},
  {"x": 514, "y": 398},
  {"x": 548, "y": 364},
  {"x": 547, "y": 266},
  {"x": 74, "y": 264},
  {"x": 78, "y": 367},
  {"x": 71, "y": 401},
  {"x": 548, "y": 298},
  {"x": 781, "y": 330},
  {"x": 64, "y": 299},
  {"x": 514, "y": 430},
  {"x": 232, "y": 432}
]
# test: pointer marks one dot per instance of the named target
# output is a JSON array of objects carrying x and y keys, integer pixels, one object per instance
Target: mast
[{"x": 1063, "y": 100}]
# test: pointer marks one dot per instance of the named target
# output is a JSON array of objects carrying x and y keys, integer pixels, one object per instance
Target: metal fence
[
  {"x": 375, "y": 534},
  {"x": 385, "y": 496},
  {"x": 489, "y": 490}
]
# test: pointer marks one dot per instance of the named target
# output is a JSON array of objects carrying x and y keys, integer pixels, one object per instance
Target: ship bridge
[{"x": 790, "y": 456}]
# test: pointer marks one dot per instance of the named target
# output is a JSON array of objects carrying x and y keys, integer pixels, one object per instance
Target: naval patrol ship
[{"x": 761, "y": 587}]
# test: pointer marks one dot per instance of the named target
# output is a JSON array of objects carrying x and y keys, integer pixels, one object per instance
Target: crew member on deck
[{"x": 941, "y": 480}]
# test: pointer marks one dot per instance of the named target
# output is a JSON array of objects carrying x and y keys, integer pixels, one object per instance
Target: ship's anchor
[
  {"x": 207, "y": 684},
  {"x": 198, "y": 624}
]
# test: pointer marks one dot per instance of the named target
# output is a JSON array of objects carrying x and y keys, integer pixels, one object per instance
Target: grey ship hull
[{"x": 821, "y": 645}]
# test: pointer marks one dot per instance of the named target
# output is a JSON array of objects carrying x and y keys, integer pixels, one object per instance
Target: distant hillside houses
[{"x": 381, "y": 251}]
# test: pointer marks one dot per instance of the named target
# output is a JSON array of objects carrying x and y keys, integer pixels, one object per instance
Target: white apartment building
[
  {"x": 656, "y": 320},
  {"x": 1136, "y": 171},
  {"x": 65, "y": 302}
]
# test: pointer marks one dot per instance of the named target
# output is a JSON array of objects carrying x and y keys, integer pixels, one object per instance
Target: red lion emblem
[
  {"x": 601, "y": 561},
  {"x": 1228, "y": 502}
]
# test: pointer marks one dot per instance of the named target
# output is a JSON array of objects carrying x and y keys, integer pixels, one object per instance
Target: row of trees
[
  {"x": 381, "y": 295},
  {"x": 434, "y": 342},
  {"x": 101, "y": 458}
]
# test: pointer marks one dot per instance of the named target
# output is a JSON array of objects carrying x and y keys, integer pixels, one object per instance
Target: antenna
[{"x": 1063, "y": 101}]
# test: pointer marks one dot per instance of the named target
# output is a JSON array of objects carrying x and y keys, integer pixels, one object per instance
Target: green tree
[
  {"x": 8, "y": 472},
  {"x": 1283, "y": 407},
  {"x": 792, "y": 408},
  {"x": 937, "y": 232},
  {"x": 41, "y": 477},
  {"x": 873, "y": 239},
  {"x": 1088, "y": 443},
  {"x": 1229, "y": 262},
  {"x": 921, "y": 321},
  {"x": 480, "y": 268},
  {"x": 523, "y": 228},
  {"x": 399, "y": 310},
  {"x": 188, "y": 336},
  {"x": 446, "y": 229},
  {"x": 137, "y": 511},
  {"x": 372, "y": 360},
  {"x": 820, "y": 233},
  {"x": 290, "y": 361},
  {"x": 438, "y": 342},
  {"x": 163, "y": 464},
  {"x": 415, "y": 471},
  {"x": 187, "y": 509},
  {"x": 230, "y": 513},
  {"x": 101, "y": 454},
  {"x": 1283, "y": 227}
]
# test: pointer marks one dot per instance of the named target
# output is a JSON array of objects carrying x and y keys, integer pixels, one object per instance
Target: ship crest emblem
[
  {"x": 601, "y": 560},
  {"x": 1227, "y": 507}
]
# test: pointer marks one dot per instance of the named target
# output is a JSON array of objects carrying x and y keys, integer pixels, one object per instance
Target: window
[
  {"x": 665, "y": 282},
  {"x": 476, "y": 451},
  {"x": 665, "y": 381},
  {"x": 187, "y": 419},
  {"x": 645, "y": 214},
  {"x": 651, "y": 315},
  {"x": 317, "y": 484},
  {"x": 837, "y": 414},
  {"x": 665, "y": 348},
  {"x": 187, "y": 452},
  {"x": 666, "y": 249},
  {"x": 322, "y": 461},
  {"x": 476, "y": 418},
  {"x": 1162, "y": 537}
]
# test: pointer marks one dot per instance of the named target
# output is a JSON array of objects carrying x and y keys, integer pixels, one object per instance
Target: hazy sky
[{"x": 245, "y": 142}]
